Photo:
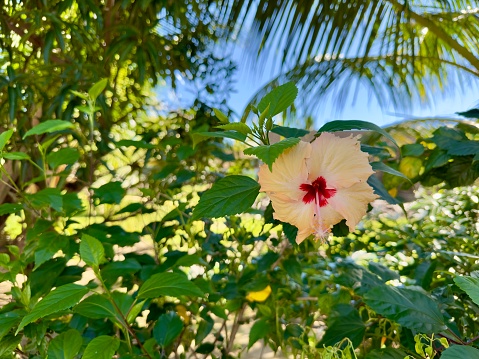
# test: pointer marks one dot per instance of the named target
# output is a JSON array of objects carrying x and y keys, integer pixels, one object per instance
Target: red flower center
[{"x": 317, "y": 192}]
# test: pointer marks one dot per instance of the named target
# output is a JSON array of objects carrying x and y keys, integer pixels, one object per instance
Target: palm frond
[{"x": 401, "y": 48}]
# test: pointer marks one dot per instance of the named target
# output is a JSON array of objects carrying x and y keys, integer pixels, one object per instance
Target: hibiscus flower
[{"x": 315, "y": 185}]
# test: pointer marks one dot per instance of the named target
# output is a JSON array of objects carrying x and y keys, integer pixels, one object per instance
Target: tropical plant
[{"x": 402, "y": 51}]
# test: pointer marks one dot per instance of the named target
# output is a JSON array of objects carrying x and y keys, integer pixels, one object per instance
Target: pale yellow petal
[
  {"x": 289, "y": 172},
  {"x": 329, "y": 216},
  {"x": 339, "y": 160},
  {"x": 303, "y": 234},
  {"x": 352, "y": 202},
  {"x": 297, "y": 213}
]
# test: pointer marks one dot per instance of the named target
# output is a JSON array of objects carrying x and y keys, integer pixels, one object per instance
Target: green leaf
[
  {"x": 469, "y": 285},
  {"x": 168, "y": 284},
  {"x": 8, "y": 321},
  {"x": 279, "y": 99},
  {"x": 460, "y": 351},
  {"x": 354, "y": 125},
  {"x": 8, "y": 344},
  {"x": 97, "y": 89},
  {"x": 80, "y": 94},
  {"x": 48, "y": 126},
  {"x": 16, "y": 156},
  {"x": 437, "y": 158},
  {"x": 414, "y": 149},
  {"x": 386, "y": 353},
  {"x": 111, "y": 193},
  {"x": 48, "y": 197},
  {"x": 65, "y": 156},
  {"x": 472, "y": 113},
  {"x": 259, "y": 330},
  {"x": 198, "y": 137},
  {"x": 59, "y": 299},
  {"x": 4, "y": 138},
  {"x": 102, "y": 347},
  {"x": 380, "y": 166},
  {"x": 91, "y": 251},
  {"x": 66, "y": 345},
  {"x": 381, "y": 191},
  {"x": 230, "y": 195},
  {"x": 410, "y": 308},
  {"x": 12, "y": 102},
  {"x": 115, "y": 269},
  {"x": 462, "y": 148},
  {"x": 167, "y": 328},
  {"x": 8, "y": 208},
  {"x": 383, "y": 272},
  {"x": 96, "y": 306},
  {"x": 269, "y": 154},
  {"x": 49, "y": 243},
  {"x": 289, "y": 131},
  {"x": 346, "y": 324},
  {"x": 137, "y": 144},
  {"x": 220, "y": 115},
  {"x": 236, "y": 126}
]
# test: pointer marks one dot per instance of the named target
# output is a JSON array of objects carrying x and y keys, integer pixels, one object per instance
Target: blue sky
[{"x": 364, "y": 108}]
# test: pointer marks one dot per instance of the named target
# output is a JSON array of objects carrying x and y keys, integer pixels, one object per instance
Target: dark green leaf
[
  {"x": 462, "y": 148},
  {"x": 49, "y": 244},
  {"x": 460, "y": 351},
  {"x": 59, "y": 299},
  {"x": 8, "y": 208},
  {"x": 102, "y": 347},
  {"x": 110, "y": 193},
  {"x": 116, "y": 269},
  {"x": 12, "y": 102},
  {"x": 279, "y": 99},
  {"x": 167, "y": 328},
  {"x": 8, "y": 344},
  {"x": 91, "y": 251},
  {"x": 437, "y": 158},
  {"x": 48, "y": 197},
  {"x": 8, "y": 321},
  {"x": 96, "y": 306},
  {"x": 168, "y": 284},
  {"x": 381, "y": 191},
  {"x": 387, "y": 353},
  {"x": 380, "y": 166},
  {"x": 383, "y": 272},
  {"x": 66, "y": 345},
  {"x": 470, "y": 285},
  {"x": 414, "y": 149},
  {"x": 354, "y": 125},
  {"x": 259, "y": 330},
  {"x": 472, "y": 113},
  {"x": 137, "y": 144},
  {"x": 204, "y": 328},
  {"x": 205, "y": 348},
  {"x": 347, "y": 324},
  {"x": 269, "y": 154},
  {"x": 4, "y": 138},
  {"x": 410, "y": 308},
  {"x": 289, "y": 132},
  {"x": 48, "y": 126},
  {"x": 97, "y": 89},
  {"x": 64, "y": 156},
  {"x": 230, "y": 195}
]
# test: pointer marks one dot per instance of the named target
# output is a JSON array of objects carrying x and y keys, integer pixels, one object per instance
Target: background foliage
[{"x": 105, "y": 250}]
